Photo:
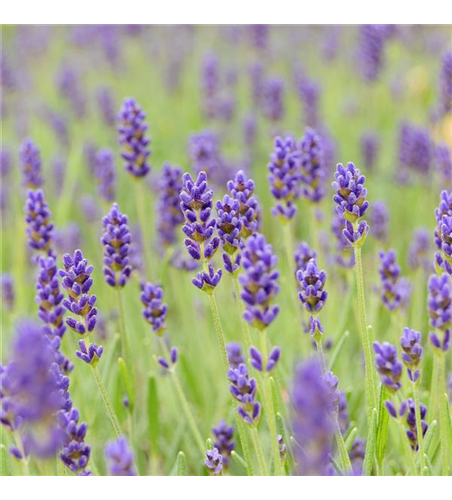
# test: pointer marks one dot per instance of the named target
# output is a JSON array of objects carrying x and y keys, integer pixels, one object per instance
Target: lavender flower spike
[
  {"x": 229, "y": 224},
  {"x": 40, "y": 229},
  {"x": 379, "y": 220},
  {"x": 312, "y": 282},
  {"x": 208, "y": 280},
  {"x": 243, "y": 389},
  {"x": 132, "y": 137},
  {"x": 235, "y": 356},
  {"x": 77, "y": 282},
  {"x": 440, "y": 301},
  {"x": 388, "y": 366},
  {"x": 196, "y": 205},
  {"x": 116, "y": 240},
  {"x": 350, "y": 194},
  {"x": 412, "y": 352},
  {"x": 224, "y": 440},
  {"x": 30, "y": 159},
  {"x": 395, "y": 290},
  {"x": 214, "y": 462},
  {"x": 154, "y": 309},
  {"x": 241, "y": 188},
  {"x": 312, "y": 168},
  {"x": 90, "y": 355},
  {"x": 120, "y": 458},
  {"x": 259, "y": 281},
  {"x": 75, "y": 452}
]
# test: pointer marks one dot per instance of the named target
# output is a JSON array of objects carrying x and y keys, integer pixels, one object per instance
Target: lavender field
[{"x": 226, "y": 250}]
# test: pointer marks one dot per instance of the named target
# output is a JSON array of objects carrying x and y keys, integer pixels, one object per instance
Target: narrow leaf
[
  {"x": 153, "y": 412},
  {"x": 181, "y": 464},
  {"x": 127, "y": 382},
  {"x": 371, "y": 445},
  {"x": 237, "y": 458},
  {"x": 351, "y": 438},
  {"x": 383, "y": 425}
]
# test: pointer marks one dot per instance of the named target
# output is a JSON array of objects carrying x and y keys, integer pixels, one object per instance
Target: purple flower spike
[
  {"x": 371, "y": 51},
  {"x": 196, "y": 205},
  {"x": 445, "y": 85},
  {"x": 313, "y": 425},
  {"x": 92, "y": 355},
  {"x": 312, "y": 168},
  {"x": 303, "y": 255},
  {"x": 442, "y": 345},
  {"x": 106, "y": 173},
  {"x": 412, "y": 352},
  {"x": 174, "y": 355},
  {"x": 395, "y": 291},
  {"x": 284, "y": 175},
  {"x": 132, "y": 137},
  {"x": 30, "y": 159},
  {"x": 214, "y": 462},
  {"x": 241, "y": 188},
  {"x": 345, "y": 256},
  {"x": 256, "y": 359},
  {"x": 229, "y": 224},
  {"x": 443, "y": 161},
  {"x": 155, "y": 310},
  {"x": 40, "y": 229},
  {"x": 369, "y": 149},
  {"x": 273, "y": 99},
  {"x": 170, "y": 216},
  {"x": 75, "y": 452},
  {"x": 207, "y": 281},
  {"x": 235, "y": 356},
  {"x": 116, "y": 240},
  {"x": 379, "y": 220},
  {"x": 273, "y": 359},
  {"x": 312, "y": 282},
  {"x": 77, "y": 282},
  {"x": 243, "y": 389},
  {"x": 440, "y": 301},
  {"x": 350, "y": 194},
  {"x": 418, "y": 252},
  {"x": 120, "y": 458},
  {"x": 224, "y": 440},
  {"x": 388, "y": 366},
  {"x": 259, "y": 281},
  {"x": 105, "y": 102},
  {"x": 8, "y": 294}
]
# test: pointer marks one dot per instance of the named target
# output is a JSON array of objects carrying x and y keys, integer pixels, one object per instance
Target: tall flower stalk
[{"x": 351, "y": 203}]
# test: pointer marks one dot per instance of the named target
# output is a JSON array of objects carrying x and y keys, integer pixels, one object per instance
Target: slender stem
[
  {"x": 241, "y": 309},
  {"x": 420, "y": 434},
  {"x": 110, "y": 410},
  {"x": 259, "y": 451},
  {"x": 219, "y": 330},
  {"x": 186, "y": 407},
  {"x": 269, "y": 407},
  {"x": 243, "y": 442},
  {"x": 320, "y": 354},
  {"x": 188, "y": 413},
  {"x": 345, "y": 459},
  {"x": 141, "y": 208},
  {"x": 371, "y": 395},
  {"x": 432, "y": 401},
  {"x": 122, "y": 326},
  {"x": 443, "y": 414},
  {"x": 407, "y": 447},
  {"x": 20, "y": 445}
]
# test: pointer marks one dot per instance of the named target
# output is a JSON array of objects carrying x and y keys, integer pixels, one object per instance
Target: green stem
[
  {"x": 141, "y": 209},
  {"x": 269, "y": 407},
  {"x": 259, "y": 451},
  {"x": 243, "y": 442},
  {"x": 443, "y": 414},
  {"x": 241, "y": 309},
  {"x": 110, "y": 410},
  {"x": 420, "y": 435},
  {"x": 370, "y": 382},
  {"x": 408, "y": 449},
  {"x": 188, "y": 413},
  {"x": 219, "y": 330},
  {"x": 345, "y": 459},
  {"x": 122, "y": 326},
  {"x": 20, "y": 445}
]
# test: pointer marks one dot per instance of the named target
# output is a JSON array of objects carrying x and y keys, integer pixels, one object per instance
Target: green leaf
[
  {"x": 428, "y": 439},
  {"x": 351, "y": 438},
  {"x": 127, "y": 382},
  {"x": 274, "y": 394},
  {"x": 371, "y": 445},
  {"x": 153, "y": 412},
  {"x": 338, "y": 349},
  {"x": 336, "y": 466},
  {"x": 237, "y": 458},
  {"x": 4, "y": 461},
  {"x": 383, "y": 425},
  {"x": 181, "y": 464}
]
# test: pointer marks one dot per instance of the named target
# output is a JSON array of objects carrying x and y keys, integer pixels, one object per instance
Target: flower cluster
[
  {"x": 419, "y": 249},
  {"x": 312, "y": 168},
  {"x": 415, "y": 149},
  {"x": 371, "y": 51},
  {"x": 77, "y": 281},
  {"x": 445, "y": 85},
  {"x": 244, "y": 390},
  {"x": 214, "y": 462},
  {"x": 443, "y": 233},
  {"x": 440, "y": 309},
  {"x": 412, "y": 352},
  {"x": 75, "y": 452},
  {"x": 105, "y": 103},
  {"x": 309, "y": 93},
  {"x": 369, "y": 149},
  {"x": 408, "y": 408},
  {"x": 90, "y": 355},
  {"x": 379, "y": 220},
  {"x": 303, "y": 255},
  {"x": 273, "y": 99},
  {"x": 154, "y": 309},
  {"x": 313, "y": 425},
  {"x": 170, "y": 216},
  {"x": 312, "y": 281},
  {"x": 351, "y": 202},
  {"x": 33, "y": 391},
  {"x": 259, "y": 281},
  {"x": 395, "y": 291},
  {"x": 345, "y": 256},
  {"x": 284, "y": 175},
  {"x": 241, "y": 189},
  {"x": 205, "y": 156},
  {"x": 40, "y": 229},
  {"x": 229, "y": 224},
  {"x": 120, "y": 458},
  {"x": 443, "y": 161},
  {"x": 388, "y": 365},
  {"x": 224, "y": 441},
  {"x": 30, "y": 159},
  {"x": 174, "y": 354},
  {"x": 116, "y": 241},
  {"x": 235, "y": 357},
  {"x": 69, "y": 87},
  {"x": 8, "y": 293},
  {"x": 106, "y": 173},
  {"x": 258, "y": 363},
  {"x": 132, "y": 137}
]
